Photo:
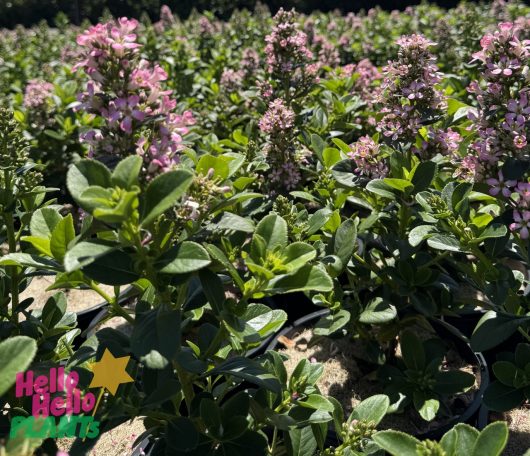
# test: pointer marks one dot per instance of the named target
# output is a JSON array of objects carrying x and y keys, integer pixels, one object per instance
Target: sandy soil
[
  {"x": 345, "y": 380},
  {"x": 77, "y": 299},
  {"x": 519, "y": 423},
  {"x": 118, "y": 442}
]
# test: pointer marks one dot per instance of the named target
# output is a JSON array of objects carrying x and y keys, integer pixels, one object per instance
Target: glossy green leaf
[
  {"x": 163, "y": 192},
  {"x": 16, "y": 355},
  {"x": 183, "y": 258}
]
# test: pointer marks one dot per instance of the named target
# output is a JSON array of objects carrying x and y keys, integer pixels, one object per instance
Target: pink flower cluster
[
  {"x": 438, "y": 141},
  {"x": 278, "y": 123},
  {"x": 367, "y": 156},
  {"x": 249, "y": 61},
  {"x": 502, "y": 119},
  {"x": 409, "y": 91},
  {"x": 286, "y": 47},
  {"x": 288, "y": 59},
  {"x": 518, "y": 196},
  {"x": 286, "y": 175},
  {"x": 126, "y": 92},
  {"x": 366, "y": 76},
  {"x": 326, "y": 51},
  {"x": 167, "y": 20},
  {"x": 37, "y": 93},
  {"x": 232, "y": 80},
  {"x": 278, "y": 118}
]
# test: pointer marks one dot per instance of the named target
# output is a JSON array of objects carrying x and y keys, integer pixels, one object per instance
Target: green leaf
[
  {"x": 378, "y": 311},
  {"x": 400, "y": 185},
  {"x": 115, "y": 212},
  {"x": 341, "y": 145},
  {"x": 373, "y": 409},
  {"x": 211, "y": 417},
  {"x": 86, "y": 252},
  {"x": 452, "y": 382},
  {"x": 423, "y": 175},
  {"x": 301, "y": 442},
  {"x": 62, "y": 235},
  {"x": 264, "y": 320},
  {"x": 317, "y": 402},
  {"x": 29, "y": 261},
  {"x": 344, "y": 241},
  {"x": 495, "y": 230},
  {"x": 418, "y": 234},
  {"x": 330, "y": 156},
  {"x": 522, "y": 354},
  {"x": 318, "y": 220},
  {"x": 492, "y": 440},
  {"x": 494, "y": 328},
  {"x": 54, "y": 310},
  {"x": 505, "y": 372},
  {"x": 381, "y": 188},
  {"x": 41, "y": 244},
  {"x": 412, "y": 350},
  {"x": 318, "y": 145},
  {"x": 217, "y": 164},
  {"x": 344, "y": 173},
  {"x": 441, "y": 241},
  {"x": 233, "y": 222},
  {"x": 183, "y": 258},
  {"x": 247, "y": 369},
  {"x": 297, "y": 255},
  {"x": 332, "y": 323},
  {"x": 466, "y": 437},
  {"x": 273, "y": 229},
  {"x": 181, "y": 434},
  {"x": 396, "y": 443},
  {"x": 163, "y": 192},
  {"x": 16, "y": 355},
  {"x": 501, "y": 398},
  {"x": 43, "y": 221},
  {"x": 427, "y": 408},
  {"x": 84, "y": 174},
  {"x": 449, "y": 443},
  {"x": 308, "y": 278},
  {"x": 126, "y": 173}
]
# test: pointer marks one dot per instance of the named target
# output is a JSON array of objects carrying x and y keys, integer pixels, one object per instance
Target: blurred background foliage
[{"x": 29, "y": 12}]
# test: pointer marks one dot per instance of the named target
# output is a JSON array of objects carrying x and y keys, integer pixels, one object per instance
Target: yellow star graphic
[{"x": 109, "y": 372}]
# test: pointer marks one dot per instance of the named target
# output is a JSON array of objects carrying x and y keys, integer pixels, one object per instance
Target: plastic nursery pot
[
  {"x": 447, "y": 333},
  {"x": 466, "y": 321},
  {"x": 144, "y": 448},
  {"x": 297, "y": 305}
]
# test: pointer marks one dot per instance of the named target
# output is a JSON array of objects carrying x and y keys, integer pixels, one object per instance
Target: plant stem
[
  {"x": 184, "y": 377},
  {"x": 524, "y": 334},
  {"x": 274, "y": 441},
  {"x": 11, "y": 239},
  {"x": 118, "y": 310}
]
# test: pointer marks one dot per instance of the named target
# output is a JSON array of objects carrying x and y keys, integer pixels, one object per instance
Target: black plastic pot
[
  {"x": 87, "y": 317},
  {"x": 143, "y": 448},
  {"x": 466, "y": 321},
  {"x": 446, "y": 332},
  {"x": 297, "y": 305}
]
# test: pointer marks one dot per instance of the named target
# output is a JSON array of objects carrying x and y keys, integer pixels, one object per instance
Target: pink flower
[
  {"x": 521, "y": 223},
  {"x": 129, "y": 112},
  {"x": 366, "y": 154},
  {"x": 501, "y": 186},
  {"x": 36, "y": 94}
]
